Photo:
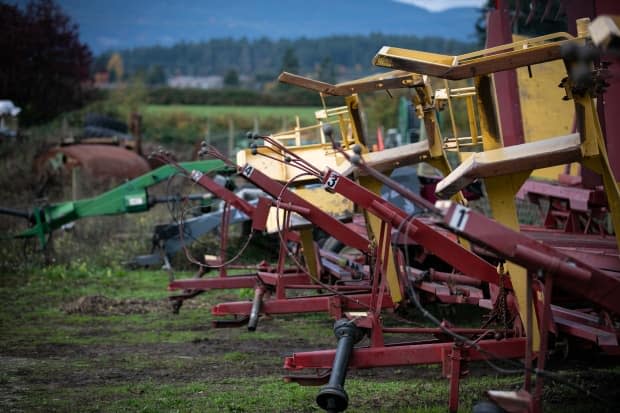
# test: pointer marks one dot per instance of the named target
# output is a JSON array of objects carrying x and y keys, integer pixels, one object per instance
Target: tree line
[{"x": 262, "y": 59}]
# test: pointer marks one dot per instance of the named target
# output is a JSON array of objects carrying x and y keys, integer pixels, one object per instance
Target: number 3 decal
[
  {"x": 332, "y": 180},
  {"x": 459, "y": 218}
]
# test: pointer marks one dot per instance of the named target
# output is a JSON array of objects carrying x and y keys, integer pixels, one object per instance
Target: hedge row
[{"x": 245, "y": 97}]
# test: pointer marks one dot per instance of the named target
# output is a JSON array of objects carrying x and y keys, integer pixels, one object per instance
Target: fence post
[{"x": 231, "y": 137}]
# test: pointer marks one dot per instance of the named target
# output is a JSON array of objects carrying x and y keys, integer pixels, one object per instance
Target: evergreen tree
[
  {"x": 231, "y": 79},
  {"x": 264, "y": 58},
  {"x": 326, "y": 72},
  {"x": 290, "y": 63},
  {"x": 156, "y": 75}
]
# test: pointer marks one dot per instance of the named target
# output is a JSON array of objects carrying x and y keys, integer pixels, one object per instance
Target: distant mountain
[{"x": 122, "y": 24}]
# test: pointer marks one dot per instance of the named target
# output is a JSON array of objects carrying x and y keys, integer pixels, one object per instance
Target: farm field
[
  {"x": 305, "y": 113},
  {"x": 171, "y": 124},
  {"x": 88, "y": 339}
]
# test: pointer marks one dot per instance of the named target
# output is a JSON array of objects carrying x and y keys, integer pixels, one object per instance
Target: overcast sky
[{"x": 439, "y": 5}]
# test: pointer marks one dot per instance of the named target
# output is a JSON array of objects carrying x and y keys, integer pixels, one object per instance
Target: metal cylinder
[
  {"x": 333, "y": 397},
  {"x": 259, "y": 292},
  {"x": 16, "y": 212}
]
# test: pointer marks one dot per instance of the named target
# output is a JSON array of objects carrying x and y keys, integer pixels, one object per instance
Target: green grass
[
  {"x": 266, "y": 394},
  {"x": 161, "y": 362},
  {"x": 305, "y": 113}
]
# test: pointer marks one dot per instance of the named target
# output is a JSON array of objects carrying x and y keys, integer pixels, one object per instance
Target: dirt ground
[{"x": 109, "y": 342}]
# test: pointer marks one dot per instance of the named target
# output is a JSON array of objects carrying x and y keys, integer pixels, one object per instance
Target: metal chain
[{"x": 500, "y": 309}]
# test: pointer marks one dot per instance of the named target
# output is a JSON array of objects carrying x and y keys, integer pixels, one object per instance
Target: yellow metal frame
[
  {"x": 319, "y": 153},
  {"x": 508, "y": 56},
  {"x": 395, "y": 79},
  {"x": 431, "y": 151},
  {"x": 501, "y": 189}
]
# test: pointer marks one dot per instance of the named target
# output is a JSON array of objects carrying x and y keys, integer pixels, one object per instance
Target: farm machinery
[
  {"x": 586, "y": 275},
  {"x": 274, "y": 158},
  {"x": 129, "y": 197},
  {"x": 543, "y": 284},
  {"x": 543, "y": 287},
  {"x": 321, "y": 269}
]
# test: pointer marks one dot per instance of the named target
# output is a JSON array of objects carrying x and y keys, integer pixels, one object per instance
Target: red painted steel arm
[
  {"x": 404, "y": 354},
  {"x": 571, "y": 275},
  {"x": 448, "y": 250},
  {"x": 307, "y": 304},
  {"x": 221, "y": 192},
  {"x": 315, "y": 215}
]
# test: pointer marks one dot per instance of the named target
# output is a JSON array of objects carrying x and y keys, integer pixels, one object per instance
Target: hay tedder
[{"x": 543, "y": 286}]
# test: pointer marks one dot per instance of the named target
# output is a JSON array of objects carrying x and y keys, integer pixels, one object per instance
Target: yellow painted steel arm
[
  {"x": 395, "y": 79},
  {"x": 509, "y": 56},
  {"x": 512, "y": 160}
]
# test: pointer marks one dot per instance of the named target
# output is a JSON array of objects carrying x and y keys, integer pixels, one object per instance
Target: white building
[{"x": 196, "y": 82}]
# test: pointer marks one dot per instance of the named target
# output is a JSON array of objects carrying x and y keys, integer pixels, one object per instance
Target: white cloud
[{"x": 441, "y": 5}]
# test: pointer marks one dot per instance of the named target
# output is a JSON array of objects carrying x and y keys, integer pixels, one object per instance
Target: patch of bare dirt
[{"x": 101, "y": 305}]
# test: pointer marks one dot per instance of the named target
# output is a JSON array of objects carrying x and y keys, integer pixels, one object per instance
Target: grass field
[
  {"x": 187, "y": 123},
  {"x": 95, "y": 339},
  {"x": 306, "y": 114}
]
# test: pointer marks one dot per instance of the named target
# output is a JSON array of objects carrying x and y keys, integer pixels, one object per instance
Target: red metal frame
[
  {"x": 321, "y": 219},
  {"x": 224, "y": 281},
  {"x": 444, "y": 247},
  {"x": 571, "y": 209},
  {"x": 423, "y": 352},
  {"x": 565, "y": 272},
  {"x": 452, "y": 356},
  {"x": 572, "y": 275},
  {"x": 334, "y": 304},
  {"x": 279, "y": 280},
  {"x": 569, "y": 274}
]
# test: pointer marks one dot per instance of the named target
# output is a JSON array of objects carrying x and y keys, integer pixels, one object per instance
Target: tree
[
  {"x": 42, "y": 62},
  {"x": 156, "y": 75},
  {"x": 231, "y": 79},
  {"x": 290, "y": 63},
  {"x": 326, "y": 72}
]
